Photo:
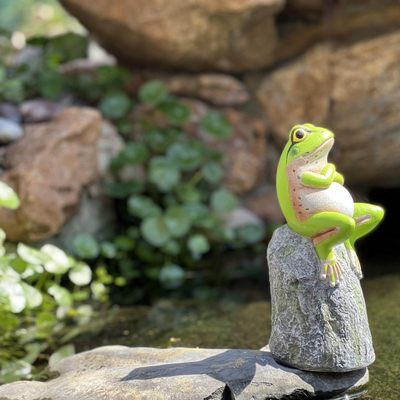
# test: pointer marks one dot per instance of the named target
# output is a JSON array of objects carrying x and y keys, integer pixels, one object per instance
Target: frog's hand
[
  {"x": 322, "y": 181},
  {"x": 354, "y": 261}
]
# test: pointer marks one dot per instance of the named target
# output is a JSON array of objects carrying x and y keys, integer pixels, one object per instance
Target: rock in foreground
[
  {"x": 314, "y": 326},
  {"x": 121, "y": 373}
]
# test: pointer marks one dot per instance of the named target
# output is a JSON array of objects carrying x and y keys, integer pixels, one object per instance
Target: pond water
[{"x": 233, "y": 324}]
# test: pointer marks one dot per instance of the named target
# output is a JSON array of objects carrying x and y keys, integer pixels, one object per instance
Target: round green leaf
[
  {"x": 33, "y": 297},
  {"x": 14, "y": 295},
  {"x": 61, "y": 353},
  {"x": 115, "y": 105},
  {"x": 216, "y": 125},
  {"x": 223, "y": 200},
  {"x": 80, "y": 274},
  {"x": 155, "y": 231},
  {"x": 108, "y": 250},
  {"x": 143, "y": 207},
  {"x": 86, "y": 246},
  {"x": 58, "y": 262},
  {"x": 8, "y": 198},
  {"x": 157, "y": 140},
  {"x": 212, "y": 172},
  {"x": 132, "y": 153},
  {"x": 31, "y": 255},
  {"x": 125, "y": 243},
  {"x": 198, "y": 244},
  {"x": 187, "y": 156},
  {"x": 250, "y": 233},
  {"x": 171, "y": 276},
  {"x": 163, "y": 174},
  {"x": 171, "y": 247},
  {"x": 176, "y": 112},
  {"x": 152, "y": 92},
  {"x": 61, "y": 295},
  {"x": 177, "y": 220},
  {"x": 188, "y": 193},
  {"x": 15, "y": 371}
]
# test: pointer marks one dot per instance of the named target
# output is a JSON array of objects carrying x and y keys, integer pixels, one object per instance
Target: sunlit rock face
[
  {"x": 49, "y": 167},
  {"x": 315, "y": 327},
  {"x": 190, "y": 35}
]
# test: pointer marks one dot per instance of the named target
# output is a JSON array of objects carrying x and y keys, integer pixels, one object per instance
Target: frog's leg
[
  {"x": 327, "y": 229},
  {"x": 367, "y": 217}
]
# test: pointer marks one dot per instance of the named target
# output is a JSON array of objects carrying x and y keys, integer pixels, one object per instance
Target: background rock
[
  {"x": 120, "y": 373},
  {"x": 355, "y": 92},
  {"x": 37, "y": 110},
  {"x": 9, "y": 131},
  {"x": 217, "y": 89},
  {"x": 315, "y": 327},
  {"x": 48, "y": 168},
  {"x": 238, "y": 35},
  {"x": 95, "y": 212}
]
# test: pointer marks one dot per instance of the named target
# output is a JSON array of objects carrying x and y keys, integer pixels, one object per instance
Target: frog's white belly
[{"x": 335, "y": 198}]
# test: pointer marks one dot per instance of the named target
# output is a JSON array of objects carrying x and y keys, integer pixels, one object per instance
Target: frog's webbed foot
[
  {"x": 354, "y": 261},
  {"x": 331, "y": 270}
]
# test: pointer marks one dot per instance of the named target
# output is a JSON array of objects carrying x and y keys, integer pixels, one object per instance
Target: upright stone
[{"x": 315, "y": 327}]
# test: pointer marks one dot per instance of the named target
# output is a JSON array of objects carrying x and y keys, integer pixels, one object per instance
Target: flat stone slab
[{"x": 122, "y": 373}]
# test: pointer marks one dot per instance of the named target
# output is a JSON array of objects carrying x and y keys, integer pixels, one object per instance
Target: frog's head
[{"x": 308, "y": 142}]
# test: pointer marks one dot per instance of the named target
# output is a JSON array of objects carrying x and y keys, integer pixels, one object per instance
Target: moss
[{"x": 248, "y": 326}]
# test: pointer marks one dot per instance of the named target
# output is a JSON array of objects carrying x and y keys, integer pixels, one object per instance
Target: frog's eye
[{"x": 298, "y": 135}]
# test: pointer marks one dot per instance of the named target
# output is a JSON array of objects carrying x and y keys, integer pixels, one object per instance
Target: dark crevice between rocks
[{"x": 378, "y": 251}]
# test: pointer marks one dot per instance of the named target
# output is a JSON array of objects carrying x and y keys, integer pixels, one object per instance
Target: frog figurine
[{"x": 316, "y": 204}]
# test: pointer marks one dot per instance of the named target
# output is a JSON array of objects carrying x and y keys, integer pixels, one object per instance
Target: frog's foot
[
  {"x": 331, "y": 270},
  {"x": 355, "y": 262}
]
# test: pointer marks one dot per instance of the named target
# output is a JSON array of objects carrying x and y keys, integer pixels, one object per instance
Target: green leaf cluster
[
  {"x": 172, "y": 217},
  {"x": 41, "y": 294}
]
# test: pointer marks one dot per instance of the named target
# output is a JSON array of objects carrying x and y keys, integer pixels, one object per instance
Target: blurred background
[{"x": 142, "y": 137}]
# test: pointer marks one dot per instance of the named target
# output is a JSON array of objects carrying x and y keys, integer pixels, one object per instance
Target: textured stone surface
[
  {"x": 217, "y": 89},
  {"x": 122, "y": 373},
  {"x": 354, "y": 91},
  {"x": 315, "y": 327},
  {"x": 95, "y": 212},
  {"x": 48, "y": 168},
  {"x": 230, "y": 35},
  {"x": 304, "y": 23}
]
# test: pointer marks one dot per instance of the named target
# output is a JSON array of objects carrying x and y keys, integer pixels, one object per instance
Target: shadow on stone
[
  {"x": 231, "y": 367},
  {"x": 243, "y": 371}
]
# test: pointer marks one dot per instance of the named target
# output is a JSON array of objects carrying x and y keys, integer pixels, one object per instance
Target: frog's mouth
[{"x": 320, "y": 152}]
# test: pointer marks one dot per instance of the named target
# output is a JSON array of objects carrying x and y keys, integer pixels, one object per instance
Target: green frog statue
[{"x": 315, "y": 203}]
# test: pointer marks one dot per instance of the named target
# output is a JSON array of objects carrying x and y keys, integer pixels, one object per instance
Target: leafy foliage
[
  {"x": 41, "y": 294},
  {"x": 172, "y": 215}
]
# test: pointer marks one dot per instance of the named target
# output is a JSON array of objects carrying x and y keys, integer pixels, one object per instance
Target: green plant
[
  {"x": 172, "y": 208},
  {"x": 43, "y": 293}
]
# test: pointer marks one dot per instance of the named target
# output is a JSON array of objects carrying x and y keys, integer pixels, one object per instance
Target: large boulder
[
  {"x": 192, "y": 35},
  {"x": 121, "y": 373},
  {"x": 228, "y": 35},
  {"x": 48, "y": 168},
  {"x": 354, "y": 90}
]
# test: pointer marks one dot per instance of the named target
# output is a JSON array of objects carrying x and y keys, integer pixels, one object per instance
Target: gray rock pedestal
[{"x": 315, "y": 327}]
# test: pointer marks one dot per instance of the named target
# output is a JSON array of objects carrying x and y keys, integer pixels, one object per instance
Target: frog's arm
[
  {"x": 338, "y": 178},
  {"x": 322, "y": 180}
]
